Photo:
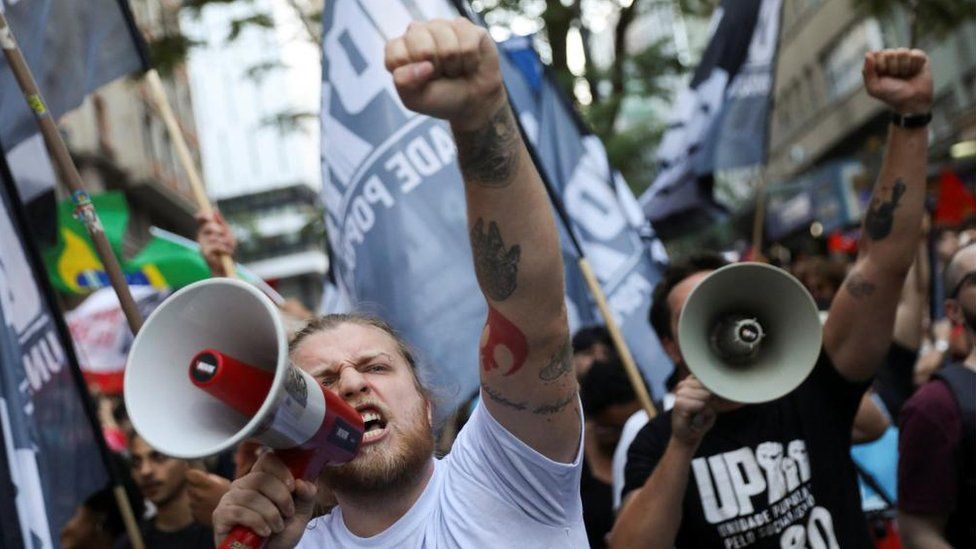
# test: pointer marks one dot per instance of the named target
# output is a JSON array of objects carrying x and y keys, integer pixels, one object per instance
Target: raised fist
[
  {"x": 901, "y": 78},
  {"x": 449, "y": 70}
]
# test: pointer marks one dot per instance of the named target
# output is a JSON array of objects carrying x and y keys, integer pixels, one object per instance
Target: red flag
[{"x": 955, "y": 202}]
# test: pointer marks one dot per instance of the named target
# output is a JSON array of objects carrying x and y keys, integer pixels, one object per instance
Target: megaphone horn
[
  {"x": 210, "y": 368},
  {"x": 750, "y": 332}
]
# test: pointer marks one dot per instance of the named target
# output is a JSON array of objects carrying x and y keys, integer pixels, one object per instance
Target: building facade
[
  {"x": 828, "y": 134},
  {"x": 256, "y": 99},
  {"x": 119, "y": 141}
]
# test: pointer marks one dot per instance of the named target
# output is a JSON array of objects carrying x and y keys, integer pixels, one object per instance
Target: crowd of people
[{"x": 556, "y": 450}]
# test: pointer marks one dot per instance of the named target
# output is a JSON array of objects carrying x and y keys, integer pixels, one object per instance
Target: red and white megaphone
[{"x": 210, "y": 368}]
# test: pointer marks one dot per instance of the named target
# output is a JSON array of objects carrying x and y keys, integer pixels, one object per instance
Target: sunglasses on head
[{"x": 970, "y": 278}]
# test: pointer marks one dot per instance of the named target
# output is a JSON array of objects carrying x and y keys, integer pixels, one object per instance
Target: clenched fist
[
  {"x": 901, "y": 78},
  {"x": 449, "y": 70}
]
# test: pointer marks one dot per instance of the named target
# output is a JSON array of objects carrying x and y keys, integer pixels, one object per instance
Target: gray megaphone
[{"x": 750, "y": 332}]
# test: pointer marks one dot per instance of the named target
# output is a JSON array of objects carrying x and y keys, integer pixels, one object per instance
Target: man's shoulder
[
  {"x": 654, "y": 434},
  {"x": 933, "y": 400}
]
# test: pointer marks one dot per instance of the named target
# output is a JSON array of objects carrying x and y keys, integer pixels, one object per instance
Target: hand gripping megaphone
[
  {"x": 750, "y": 332},
  {"x": 210, "y": 368}
]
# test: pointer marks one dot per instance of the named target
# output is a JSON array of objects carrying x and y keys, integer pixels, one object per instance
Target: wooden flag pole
[
  {"x": 759, "y": 220},
  {"x": 158, "y": 95},
  {"x": 84, "y": 209},
  {"x": 630, "y": 366},
  {"x": 86, "y": 213}
]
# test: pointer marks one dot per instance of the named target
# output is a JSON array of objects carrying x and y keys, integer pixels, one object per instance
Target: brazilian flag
[{"x": 167, "y": 262}]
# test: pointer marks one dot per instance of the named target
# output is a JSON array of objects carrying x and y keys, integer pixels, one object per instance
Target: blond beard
[{"x": 383, "y": 470}]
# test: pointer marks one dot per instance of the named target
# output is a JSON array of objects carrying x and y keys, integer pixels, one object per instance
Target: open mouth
[{"x": 374, "y": 424}]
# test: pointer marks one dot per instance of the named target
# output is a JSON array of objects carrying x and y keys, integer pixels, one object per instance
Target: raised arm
[
  {"x": 450, "y": 69},
  {"x": 859, "y": 328}
]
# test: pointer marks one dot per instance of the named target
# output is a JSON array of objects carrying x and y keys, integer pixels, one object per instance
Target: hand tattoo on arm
[
  {"x": 489, "y": 155},
  {"x": 881, "y": 215},
  {"x": 495, "y": 265}
]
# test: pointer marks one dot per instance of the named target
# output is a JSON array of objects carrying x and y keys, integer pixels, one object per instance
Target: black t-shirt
[
  {"x": 597, "y": 498},
  {"x": 777, "y": 474},
  {"x": 895, "y": 381},
  {"x": 193, "y": 536}
]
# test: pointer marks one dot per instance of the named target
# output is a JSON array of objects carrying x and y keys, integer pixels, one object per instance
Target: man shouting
[
  {"x": 512, "y": 478},
  {"x": 712, "y": 473}
]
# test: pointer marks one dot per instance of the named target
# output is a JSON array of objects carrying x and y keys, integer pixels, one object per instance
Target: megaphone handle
[{"x": 304, "y": 464}]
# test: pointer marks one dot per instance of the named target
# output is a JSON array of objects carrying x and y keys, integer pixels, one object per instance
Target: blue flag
[
  {"x": 72, "y": 48},
  {"x": 394, "y": 198},
  {"x": 52, "y": 456},
  {"x": 395, "y": 210},
  {"x": 616, "y": 238},
  {"x": 710, "y": 158}
]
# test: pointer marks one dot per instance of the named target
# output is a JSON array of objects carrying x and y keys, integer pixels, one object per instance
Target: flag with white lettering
[
  {"x": 72, "y": 48},
  {"x": 615, "y": 237},
  {"x": 52, "y": 456},
  {"x": 710, "y": 158},
  {"x": 393, "y": 196},
  {"x": 395, "y": 210}
]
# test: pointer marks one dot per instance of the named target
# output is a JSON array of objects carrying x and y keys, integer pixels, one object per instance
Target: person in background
[
  {"x": 216, "y": 240},
  {"x": 713, "y": 473},
  {"x": 937, "y": 443},
  {"x": 667, "y": 300},
  {"x": 97, "y": 523},
  {"x": 608, "y": 401},
  {"x": 591, "y": 344},
  {"x": 162, "y": 481}
]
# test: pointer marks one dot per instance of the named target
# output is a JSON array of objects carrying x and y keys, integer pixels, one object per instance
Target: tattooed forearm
[
  {"x": 560, "y": 364},
  {"x": 489, "y": 156},
  {"x": 881, "y": 214},
  {"x": 555, "y": 407},
  {"x": 495, "y": 265},
  {"x": 858, "y": 286},
  {"x": 495, "y": 396}
]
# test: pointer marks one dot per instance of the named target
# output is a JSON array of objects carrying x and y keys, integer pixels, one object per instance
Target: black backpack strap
[{"x": 962, "y": 383}]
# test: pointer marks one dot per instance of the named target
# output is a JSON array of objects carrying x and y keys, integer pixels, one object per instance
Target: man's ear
[
  {"x": 671, "y": 348},
  {"x": 953, "y": 311}
]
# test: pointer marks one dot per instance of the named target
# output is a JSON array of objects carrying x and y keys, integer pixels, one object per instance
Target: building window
[{"x": 842, "y": 62}]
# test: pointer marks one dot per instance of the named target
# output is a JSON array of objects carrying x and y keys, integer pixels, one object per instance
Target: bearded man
[{"x": 513, "y": 475}]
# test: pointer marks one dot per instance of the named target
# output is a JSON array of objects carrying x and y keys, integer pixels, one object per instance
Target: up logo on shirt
[{"x": 728, "y": 483}]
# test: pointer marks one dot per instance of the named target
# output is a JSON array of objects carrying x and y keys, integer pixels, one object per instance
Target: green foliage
[
  {"x": 621, "y": 111},
  {"x": 934, "y": 18},
  {"x": 169, "y": 51}
]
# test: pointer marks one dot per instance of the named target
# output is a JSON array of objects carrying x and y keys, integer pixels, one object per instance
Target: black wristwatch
[{"x": 911, "y": 121}]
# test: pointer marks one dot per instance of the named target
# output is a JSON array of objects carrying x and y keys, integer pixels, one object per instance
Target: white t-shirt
[
  {"x": 491, "y": 491},
  {"x": 634, "y": 424}
]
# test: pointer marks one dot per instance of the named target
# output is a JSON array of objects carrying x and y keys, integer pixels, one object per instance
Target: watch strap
[{"x": 911, "y": 121}]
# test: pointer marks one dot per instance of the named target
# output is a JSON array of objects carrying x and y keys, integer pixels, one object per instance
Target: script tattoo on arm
[
  {"x": 858, "y": 286},
  {"x": 555, "y": 407},
  {"x": 560, "y": 364},
  {"x": 495, "y": 396},
  {"x": 495, "y": 265},
  {"x": 541, "y": 410},
  {"x": 881, "y": 214},
  {"x": 489, "y": 155}
]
